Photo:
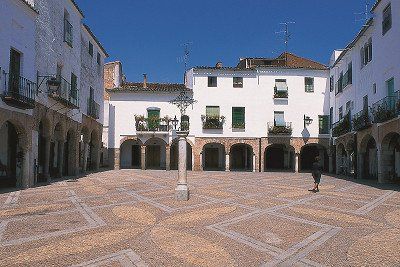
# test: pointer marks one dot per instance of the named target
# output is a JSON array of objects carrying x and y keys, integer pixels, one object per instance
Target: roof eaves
[
  {"x": 96, "y": 40},
  {"x": 30, "y": 6},
  {"x": 77, "y": 7}
]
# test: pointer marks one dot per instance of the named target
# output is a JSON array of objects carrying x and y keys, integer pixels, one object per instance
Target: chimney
[
  {"x": 144, "y": 80},
  {"x": 112, "y": 76},
  {"x": 218, "y": 65}
]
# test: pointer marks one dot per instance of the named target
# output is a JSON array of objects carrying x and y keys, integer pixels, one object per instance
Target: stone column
[
  {"x": 227, "y": 162},
  {"x": 85, "y": 156},
  {"x": 338, "y": 162},
  {"x": 46, "y": 167},
  {"x": 379, "y": 156},
  {"x": 143, "y": 156},
  {"x": 168, "y": 157},
  {"x": 60, "y": 157},
  {"x": 182, "y": 189},
  {"x": 296, "y": 162},
  {"x": 330, "y": 164},
  {"x": 201, "y": 161},
  {"x": 254, "y": 163},
  {"x": 360, "y": 165},
  {"x": 25, "y": 183}
]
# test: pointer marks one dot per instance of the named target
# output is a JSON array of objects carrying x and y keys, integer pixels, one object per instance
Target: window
[
  {"x": 212, "y": 111},
  {"x": 90, "y": 49},
  {"x": 350, "y": 73},
  {"x": 331, "y": 83},
  {"x": 374, "y": 88},
  {"x": 309, "y": 84},
  {"x": 340, "y": 83},
  {"x": 330, "y": 117},
  {"x": 68, "y": 37},
  {"x": 348, "y": 106},
  {"x": 98, "y": 58},
  {"x": 153, "y": 113},
  {"x": 280, "y": 89},
  {"x": 340, "y": 112},
  {"x": 366, "y": 53},
  {"x": 387, "y": 19},
  {"x": 279, "y": 118},
  {"x": 74, "y": 86},
  {"x": 238, "y": 117},
  {"x": 365, "y": 103},
  {"x": 323, "y": 122},
  {"x": 212, "y": 81},
  {"x": 390, "y": 87},
  {"x": 237, "y": 82}
]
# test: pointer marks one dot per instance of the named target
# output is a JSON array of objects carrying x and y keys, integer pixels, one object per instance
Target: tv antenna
[
  {"x": 286, "y": 33},
  {"x": 363, "y": 16},
  {"x": 186, "y": 54}
]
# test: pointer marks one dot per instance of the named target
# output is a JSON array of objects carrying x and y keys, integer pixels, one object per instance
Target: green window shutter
[
  {"x": 238, "y": 115},
  {"x": 153, "y": 113},
  {"x": 212, "y": 111},
  {"x": 323, "y": 124}
]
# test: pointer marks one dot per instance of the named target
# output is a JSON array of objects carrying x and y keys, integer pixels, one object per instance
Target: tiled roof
[
  {"x": 30, "y": 5},
  {"x": 151, "y": 87},
  {"x": 95, "y": 39}
]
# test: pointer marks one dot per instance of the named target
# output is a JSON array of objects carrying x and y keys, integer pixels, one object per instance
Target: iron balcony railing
[
  {"x": 152, "y": 124},
  {"x": 93, "y": 109},
  {"x": 279, "y": 129},
  {"x": 362, "y": 120},
  {"x": 280, "y": 94},
  {"x": 342, "y": 127},
  {"x": 386, "y": 108},
  {"x": 213, "y": 122},
  {"x": 66, "y": 94},
  {"x": 19, "y": 91}
]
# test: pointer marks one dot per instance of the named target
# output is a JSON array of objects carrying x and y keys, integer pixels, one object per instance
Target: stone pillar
[
  {"x": 330, "y": 164},
  {"x": 46, "y": 167},
  {"x": 168, "y": 157},
  {"x": 85, "y": 156},
  {"x": 182, "y": 189},
  {"x": 25, "y": 183},
  {"x": 96, "y": 156},
  {"x": 338, "y": 162},
  {"x": 227, "y": 162},
  {"x": 60, "y": 157},
  {"x": 360, "y": 165},
  {"x": 254, "y": 163},
  {"x": 296, "y": 162},
  {"x": 143, "y": 156},
  {"x": 379, "y": 156},
  {"x": 201, "y": 161}
]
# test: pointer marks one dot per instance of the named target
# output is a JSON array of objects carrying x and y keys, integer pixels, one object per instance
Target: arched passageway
[
  {"x": 341, "y": 160},
  {"x": 10, "y": 163},
  {"x": 391, "y": 157},
  {"x": 155, "y": 154},
  {"x": 241, "y": 158},
  {"x": 130, "y": 154},
  {"x": 279, "y": 157},
  {"x": 69, "y": 159},
  {"x": 43, "y": 149},
  {"x": 368, "y": 158},
  {"x": 175, "y": 155},
  {"x": 56, "y": 152},
  {"x": 309, "y": 153},
  {"x": 213, "y": 157}
]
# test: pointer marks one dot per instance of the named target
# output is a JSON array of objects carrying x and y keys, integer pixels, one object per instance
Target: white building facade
[
  {"x": 256, "y": 116},
  {"x": 55, "y": 106},
  {"x": 364, "y": 98}
]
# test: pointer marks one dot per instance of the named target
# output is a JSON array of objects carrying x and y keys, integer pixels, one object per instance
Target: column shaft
[
  {"x": 227, "y": 162},
  {"x": 168, "y": 157},
  {"x": 143, "y": 156},
  {"x": 60, "y": 158},
  {"x": 46, "y": 167}
]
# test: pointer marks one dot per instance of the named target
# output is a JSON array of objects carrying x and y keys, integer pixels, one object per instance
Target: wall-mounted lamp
[{"x": 307, "y": 121}]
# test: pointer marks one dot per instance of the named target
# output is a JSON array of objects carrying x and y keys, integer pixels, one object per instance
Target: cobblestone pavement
[{"x": 130, "y": 218}]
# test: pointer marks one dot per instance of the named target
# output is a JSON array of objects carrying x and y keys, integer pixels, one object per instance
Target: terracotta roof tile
[{"x": 151, "y": 87}]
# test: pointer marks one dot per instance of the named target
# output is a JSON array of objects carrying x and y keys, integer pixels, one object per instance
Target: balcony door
[
  {"x": 15, "y": 70},
  {"x": 279, "y": 118}
]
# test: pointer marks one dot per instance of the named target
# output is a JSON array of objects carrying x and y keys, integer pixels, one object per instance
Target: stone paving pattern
[{"x": 130, "y": 218}]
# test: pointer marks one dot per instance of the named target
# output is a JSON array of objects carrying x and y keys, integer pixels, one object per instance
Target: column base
[{"x": 182, "y": 192}]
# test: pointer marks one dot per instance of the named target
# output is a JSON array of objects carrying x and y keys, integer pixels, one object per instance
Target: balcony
[
  {"x": 281, "y": 94},
  {"x": 18, "y": 92},
  {"x": 342, "y": 127},
  {"x": 386, "y": 108},
  {"x": 213, "y": 122},
  {"x": 361, "y": 120},
  {"x": 280, "y": 129},
  {"x": 152, "y": 124},
  {"x": 66, "y": 94},
  {"x": 93, "y": 109}
]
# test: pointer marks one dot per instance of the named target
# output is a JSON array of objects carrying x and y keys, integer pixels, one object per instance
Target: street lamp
[
  {"x": 182, "y": 101},
  {"x": 307, "y": 121}
]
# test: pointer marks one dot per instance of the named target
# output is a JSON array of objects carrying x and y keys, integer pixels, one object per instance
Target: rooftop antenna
[
  {"x": 287, "y": 34},
  {"x": 186, "y": 54},
  {"x": 363, "y": 16}
]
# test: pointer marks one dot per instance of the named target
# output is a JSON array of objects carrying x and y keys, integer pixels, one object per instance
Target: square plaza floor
[{"x": 131, "y": 218}]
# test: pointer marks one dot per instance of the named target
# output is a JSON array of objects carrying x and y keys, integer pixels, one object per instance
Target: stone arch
[
  {"x": 130, "y": 153},
  {"x": 368, "y": 159},
  {"x": 155, "y": 153},
  {"x": 174, "y": 154},
  {"x": 213, "y": 156},
  {"x": 241, "y": 157},
  {"x": 309, "y": 152},
  {"x": 70, "y": 158},
  {"x": 390, "y": 159},
  {"x": 279, "y": 157}
]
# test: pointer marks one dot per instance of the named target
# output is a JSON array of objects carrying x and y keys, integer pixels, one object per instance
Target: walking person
[{"x": 316, "y": 173}]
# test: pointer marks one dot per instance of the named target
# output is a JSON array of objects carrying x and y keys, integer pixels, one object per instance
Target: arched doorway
[
  {"x": 214, "y": 157},
  {"x": 130, "y": 154},
  {"x": 43, "y": 149},
  {"x": 308, "y": 154},
  {"x": 94, "y": 151},
  {"x": 69, "y": 165},
  {"x": 279, "y": 157},
  {"x": 9, "y": 150},
  {"x": 155, "y": 154},
  {"x": 55, "y": 150},
  {"x": 174, "y": 155},
  {"x": 368, "y": 158},
  {"x": 391, "y": 157},
  {"x": 241, "y": 158}
]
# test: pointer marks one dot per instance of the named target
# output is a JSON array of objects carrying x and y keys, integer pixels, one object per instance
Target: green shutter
[
  {"x": 323, "y": 124},
  {"x": 153, "y": 113},
  {"x": 238, "y": 117}
]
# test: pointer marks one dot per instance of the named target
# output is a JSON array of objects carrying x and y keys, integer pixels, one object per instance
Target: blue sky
[{"x": 147, "y": 35}]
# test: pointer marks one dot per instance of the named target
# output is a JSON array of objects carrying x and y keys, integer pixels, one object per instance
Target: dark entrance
[
  {"x": 308, "y": 155},
  {"x": 8, "y": 159},
  {"x": 275, "y": 157},
  {"x": 153, "y": 157},
  {"x": 15, "y": 70},
  {"x": 41, "y": 154},
  {"x": 135, "y": 162},
  {"x": 211, "y": 158},
  {"x": 241, "y": 158}
]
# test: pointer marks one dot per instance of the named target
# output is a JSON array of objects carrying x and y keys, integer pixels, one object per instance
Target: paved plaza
[{"x": 130, "y": 218}]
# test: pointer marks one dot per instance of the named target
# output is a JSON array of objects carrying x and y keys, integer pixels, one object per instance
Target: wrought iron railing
[
  {"x": 362, "y": 120},
  {"x": 152, "y": 124},
  {"x": 281, "y": 94},
  {"x": 66, "y": 94},
  {"x": 19, "y": 91},
  {"x": 386, "y": 108},
  {"x": 93, "y": 109},
  {"x": 213, "y": 122},
  {"x": 280, "y": 129},
  {"x": 342, "y": 127}
]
